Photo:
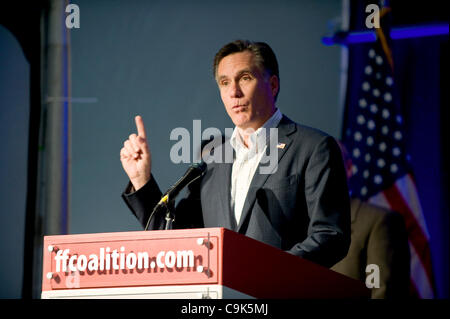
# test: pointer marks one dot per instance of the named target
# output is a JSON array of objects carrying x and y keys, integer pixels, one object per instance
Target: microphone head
[{"x": 199, "y": 166}]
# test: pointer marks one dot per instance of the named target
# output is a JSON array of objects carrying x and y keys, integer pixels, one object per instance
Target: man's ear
[{"x": 274, "y": 85}]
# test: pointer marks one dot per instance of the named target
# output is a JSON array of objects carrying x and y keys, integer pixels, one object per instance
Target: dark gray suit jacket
[{"x": 302, "y": 208}]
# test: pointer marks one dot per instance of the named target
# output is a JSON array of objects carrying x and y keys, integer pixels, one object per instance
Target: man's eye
[
  {"x": 224, "y": 83},
  {"x": 246, "y": 78}
]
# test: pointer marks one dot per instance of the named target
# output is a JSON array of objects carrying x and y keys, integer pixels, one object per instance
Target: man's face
[{"x": 248, "y": 95}]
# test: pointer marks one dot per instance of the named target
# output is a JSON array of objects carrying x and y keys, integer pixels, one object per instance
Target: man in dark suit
[{"x": 300, "y": 205}]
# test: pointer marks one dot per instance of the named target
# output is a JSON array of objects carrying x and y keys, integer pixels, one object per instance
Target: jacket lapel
[
  {"x": 285, "y": 128},
  {"x": 223, "y": 189}
]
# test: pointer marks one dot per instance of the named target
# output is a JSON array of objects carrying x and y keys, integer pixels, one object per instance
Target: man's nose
[{"x": 236, "y": 91}]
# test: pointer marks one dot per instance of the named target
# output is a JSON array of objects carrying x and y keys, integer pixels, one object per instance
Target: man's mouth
[{"x": 239, "y": 107}]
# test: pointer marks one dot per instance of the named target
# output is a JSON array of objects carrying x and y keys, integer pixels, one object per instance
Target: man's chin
[{"x": 242, "y": 124}]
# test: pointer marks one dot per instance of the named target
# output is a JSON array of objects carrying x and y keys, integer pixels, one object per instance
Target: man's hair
[{"x": 264, "y": 56}]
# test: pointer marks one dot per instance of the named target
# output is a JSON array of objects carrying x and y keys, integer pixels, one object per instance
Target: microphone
[{"x": 194, "y": 172}]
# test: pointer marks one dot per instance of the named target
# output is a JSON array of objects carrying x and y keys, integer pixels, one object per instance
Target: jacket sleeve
[
  {"x": 328, "y": 204},
  {"x": 141, "y": 203}
]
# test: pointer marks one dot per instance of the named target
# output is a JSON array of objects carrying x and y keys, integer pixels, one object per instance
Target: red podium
[{"x": 191, "y": 263}]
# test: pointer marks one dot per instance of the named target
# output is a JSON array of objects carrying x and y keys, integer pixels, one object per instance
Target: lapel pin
[{"x": 281, "y": 145}]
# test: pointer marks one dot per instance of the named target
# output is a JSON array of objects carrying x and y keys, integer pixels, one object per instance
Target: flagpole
[{"x": 345, "y": 25}]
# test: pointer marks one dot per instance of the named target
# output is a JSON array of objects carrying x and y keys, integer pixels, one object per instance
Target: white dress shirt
[{"x": 247, "y": 160}]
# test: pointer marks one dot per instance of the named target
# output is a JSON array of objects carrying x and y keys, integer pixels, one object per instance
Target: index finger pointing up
[{"x": 140, "y": 126}]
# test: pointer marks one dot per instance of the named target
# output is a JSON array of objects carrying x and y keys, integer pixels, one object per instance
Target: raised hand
[{"x": 135, "y": 156}]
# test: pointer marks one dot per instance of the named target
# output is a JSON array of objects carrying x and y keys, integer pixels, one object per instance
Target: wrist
[{"x": 138, "y": 183}]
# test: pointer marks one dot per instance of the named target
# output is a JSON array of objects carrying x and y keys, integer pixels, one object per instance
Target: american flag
[{"x": 374, "y": 137}]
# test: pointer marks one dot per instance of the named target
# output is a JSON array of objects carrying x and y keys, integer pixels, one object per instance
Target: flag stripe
[
  {"x": 408, "y": 189},
  {"x": 380, "y": 200},
  {"x": 416, "y": 235},
  {"x": 419, "y": 275},
  {"x": 391, "y": 198}
]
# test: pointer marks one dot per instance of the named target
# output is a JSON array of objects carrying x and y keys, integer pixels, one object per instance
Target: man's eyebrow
[
  {"x": 244, "y": 71},
  {"x": 222, "y": 77},
  {"x": 238, "y": 74}
]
